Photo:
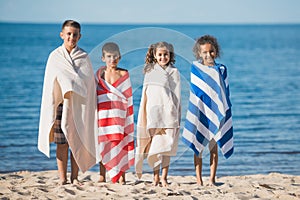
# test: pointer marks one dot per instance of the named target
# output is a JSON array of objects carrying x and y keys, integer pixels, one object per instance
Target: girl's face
[
  {"x": 207, "y": 54},
  {"x": 70, "y": 36},
  {"x": 162, "y": 55}
]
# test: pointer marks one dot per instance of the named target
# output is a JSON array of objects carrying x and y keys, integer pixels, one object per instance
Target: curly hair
[
  {"x": 150, "y": 59},
  {"x": 206, "y": 39}
]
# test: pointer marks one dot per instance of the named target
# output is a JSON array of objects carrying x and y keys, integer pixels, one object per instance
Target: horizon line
[{"x": 157, "y": 23}]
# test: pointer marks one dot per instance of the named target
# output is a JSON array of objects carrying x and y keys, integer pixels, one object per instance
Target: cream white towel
[
  {"x": 160, "y": 109},
  {"x": 69, "y": 79}
]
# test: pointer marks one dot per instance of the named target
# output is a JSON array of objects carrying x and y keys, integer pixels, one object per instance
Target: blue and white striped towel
[{"x": 209, "y": 111}]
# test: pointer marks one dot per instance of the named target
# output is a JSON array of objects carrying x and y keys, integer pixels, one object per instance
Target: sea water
[{"x": 264, "y": 76}]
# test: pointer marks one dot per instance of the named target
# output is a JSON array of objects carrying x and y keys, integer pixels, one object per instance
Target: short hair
[
  {"x": 206, "y": 39},
  {"x": 71, "y": 23},
  {"x": 110, "y": 47}
]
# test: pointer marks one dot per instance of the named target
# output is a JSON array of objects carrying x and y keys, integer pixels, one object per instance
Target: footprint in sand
[
  {"x": 26, "y": 193},
  {"x": 70, "y": 191},
  {"x": 41, "y": 182},
  {"x": 87, "y": 178},
  {"x": 44, "y": 190},
  {"x": 135, "y": 191},
  {"x": 150, "y": 192}
]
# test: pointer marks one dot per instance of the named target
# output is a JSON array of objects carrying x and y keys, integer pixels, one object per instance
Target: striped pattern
[
  {"x": 115, "y": 125},
  {"x": 209, "y": 110}
]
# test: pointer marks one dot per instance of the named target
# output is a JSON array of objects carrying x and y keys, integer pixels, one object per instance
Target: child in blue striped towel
[{"x": 208, "y": 120}]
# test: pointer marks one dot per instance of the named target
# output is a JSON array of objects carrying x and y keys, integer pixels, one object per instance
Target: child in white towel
[
  {"x": 159, "y": 113},
  {"x": 68, "y": 80},
  {"x": 70, "y": 34}
]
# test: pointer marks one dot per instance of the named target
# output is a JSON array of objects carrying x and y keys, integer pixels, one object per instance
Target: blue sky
[{"x": 151, "y": 11}]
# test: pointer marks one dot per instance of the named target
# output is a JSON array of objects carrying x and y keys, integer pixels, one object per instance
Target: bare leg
[
  {"x": 62, "y": 162},
  {"x": 122, "y": 179},
  {"x": 74, "y": 169},
  {"x": 198, "y": 169},
  {"x": 165, "y": 168},
  {"x": 213, "y": 164},
  {"x": 156, "y": 176},
  {"x": 102, "y": 173}
]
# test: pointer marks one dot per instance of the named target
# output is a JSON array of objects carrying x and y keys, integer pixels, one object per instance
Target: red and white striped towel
[{"x": 115, "y": 125}]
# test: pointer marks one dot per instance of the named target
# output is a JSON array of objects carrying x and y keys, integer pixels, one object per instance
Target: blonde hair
[{"x": 150, "y": 59}]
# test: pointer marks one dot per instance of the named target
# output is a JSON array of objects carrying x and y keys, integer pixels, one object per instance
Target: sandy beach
[{"x": 44, "y": 185}]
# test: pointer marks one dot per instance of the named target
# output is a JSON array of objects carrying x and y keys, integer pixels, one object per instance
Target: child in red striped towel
[{"x": 115, "y": 116}]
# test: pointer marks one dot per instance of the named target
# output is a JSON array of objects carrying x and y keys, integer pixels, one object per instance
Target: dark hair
[
  {"x": 71, "y": 23},
  {"x": 111, "y": 47},
  {"x": 150, "y": 59},
  {"x": 206, "y": 39}
]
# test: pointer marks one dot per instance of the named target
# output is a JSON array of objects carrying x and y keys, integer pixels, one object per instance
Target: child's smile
[
  {"x": 162, "y": 56},
  {"x": 207, "y": 54}
]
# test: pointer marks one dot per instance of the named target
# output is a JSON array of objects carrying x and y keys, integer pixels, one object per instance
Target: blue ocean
[{"x": 264, "y": 76}]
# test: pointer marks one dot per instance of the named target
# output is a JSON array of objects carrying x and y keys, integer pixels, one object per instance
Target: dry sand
[{"x": 44, "y": 185}]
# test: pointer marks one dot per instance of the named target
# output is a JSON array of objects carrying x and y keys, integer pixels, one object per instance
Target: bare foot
[
  {"x": 122, "y": 180},
  {"x": 76, "y": 182},
  {"x": 200, "y": 183},
  {"x": 155, "y": 181},
  {"x": 212, "y": 183},
  {"x": 164, "y": 183},
  {"x": 62, "y": 182},
  {"x": 102, "y": 179}
]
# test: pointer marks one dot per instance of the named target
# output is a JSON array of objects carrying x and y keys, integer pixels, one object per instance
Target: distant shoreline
[{"x": 152, "y": 24}]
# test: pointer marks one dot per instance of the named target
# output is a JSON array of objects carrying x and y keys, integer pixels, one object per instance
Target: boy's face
[
  {"x": 162, "y": 55},
  {"x": 70, "y": 36},
  {"x": 111, "y": 59},
  {"x": 207, "y": 54}
]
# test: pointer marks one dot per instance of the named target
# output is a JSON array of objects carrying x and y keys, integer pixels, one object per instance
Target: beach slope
[{"x": 44, "y": 185}]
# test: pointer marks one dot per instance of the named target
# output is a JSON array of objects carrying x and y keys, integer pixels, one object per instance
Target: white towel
[
  {"x": 160, "y": 109},
  {"x": 69, "y": 79}
]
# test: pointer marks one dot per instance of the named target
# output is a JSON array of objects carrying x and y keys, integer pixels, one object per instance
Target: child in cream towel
[
  {"x": 159, "y": 113},
  {"x": 68, "y": 111}
]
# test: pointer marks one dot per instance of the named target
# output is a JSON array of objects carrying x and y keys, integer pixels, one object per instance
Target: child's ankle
[
  {"x": 199, "y": 181},
  {"x": 122, "y": 180},
  {"x": 63, "y": 181},
  {"x": 212, "y": 181},
  {"x": 164, "y": 182},
  {"x": 156, "y": 180}
]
